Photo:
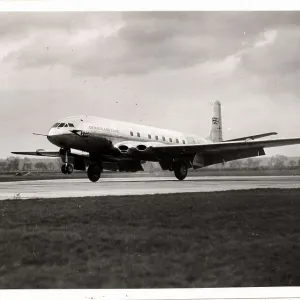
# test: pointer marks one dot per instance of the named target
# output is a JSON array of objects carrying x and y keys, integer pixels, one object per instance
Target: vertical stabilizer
[{"x": 215, "y": 134}]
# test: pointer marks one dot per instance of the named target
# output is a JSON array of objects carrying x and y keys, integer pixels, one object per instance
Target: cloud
[
  {"x": 273, "y": 61},
  {"x": 136, "y": 43},
  {"x": 269, "y": 38},
  {"x": 279, "y": 53},
  {"x": 17, "y": 24}
]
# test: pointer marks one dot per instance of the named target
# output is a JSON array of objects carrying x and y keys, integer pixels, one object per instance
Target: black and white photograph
[{"x": 149, "y": 149}]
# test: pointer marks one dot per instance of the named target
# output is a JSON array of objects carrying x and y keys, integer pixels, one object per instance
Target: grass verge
[{"x": 221, "y": 239}]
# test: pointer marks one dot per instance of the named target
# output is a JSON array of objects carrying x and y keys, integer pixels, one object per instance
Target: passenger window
[
  {"x": 71, "y": 125},
  {"x": 170, "y": 139},
  {"x": 177, "y": 141},
  {"x": 62, "y": 125},
  {"x": 156, "y": 137},
  {"x": 131, "y": 133},
  {"x": 149, "y": 136},
  {"x": 138, "y": 134},
  {"x": 183, "y": 141},
  {"x": 164, "y": 139}
]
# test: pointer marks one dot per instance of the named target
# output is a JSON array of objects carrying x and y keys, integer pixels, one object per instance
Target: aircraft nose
[
  {"x": 52, "y": 136},
  {"x": 51, "y": 132}
]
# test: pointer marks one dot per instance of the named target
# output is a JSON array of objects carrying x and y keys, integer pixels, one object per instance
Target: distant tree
[
  {"x": 3, "y": 165},
  {"x": 249, "y": 163},
  {"x": 232, "y": 165},
  {"x": 216, "y": 166},
  {"x": 239, "y": 163},
  {"x": 235, "y": 164},
  {"x": 43, "y": 166},
  {"x": 37, "y": 166},
  {"x": 256, "y": 163},
  {"x": 27, "y": 164},
  {"x": 220, "y": 166},
  {"x": 13, "y": 164},
  {"x": 8, "y": 167},
  {"x": 292, "y": 164},
  {"x": 57, "y": 163},
  {"x": 40, "y": 166},
  {"x": 278, "y": 161},
  {"x": 50, "y": 166}
]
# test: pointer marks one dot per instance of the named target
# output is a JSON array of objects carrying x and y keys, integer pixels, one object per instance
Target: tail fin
[{"x": 215, "y": 134}]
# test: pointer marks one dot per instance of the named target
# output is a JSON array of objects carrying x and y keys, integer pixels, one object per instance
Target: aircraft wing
[
  {"x": 229, "y": 150},
  {"x": 40, "y": 153},
  {"x": 224, "y": 146}
]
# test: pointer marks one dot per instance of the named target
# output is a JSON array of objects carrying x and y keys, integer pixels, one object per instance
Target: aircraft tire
[
  {"x": 94, "y": 172},
  {"x": 69, "y": 169},
  {"x": 180, "y": 170},
  {"x": 64, "y": 169}
]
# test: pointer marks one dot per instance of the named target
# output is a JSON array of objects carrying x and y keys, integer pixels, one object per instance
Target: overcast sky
[{"x": 155, "y": 68}]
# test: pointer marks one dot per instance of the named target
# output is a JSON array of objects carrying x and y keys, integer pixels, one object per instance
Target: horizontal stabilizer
[{"x": 252, "y": 137}]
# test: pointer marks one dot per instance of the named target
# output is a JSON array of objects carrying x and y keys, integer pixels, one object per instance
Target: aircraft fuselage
[{"x": 92, "y": 134}]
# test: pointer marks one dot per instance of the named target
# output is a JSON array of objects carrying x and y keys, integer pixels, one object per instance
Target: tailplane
[{"x": 215, "y": 134}]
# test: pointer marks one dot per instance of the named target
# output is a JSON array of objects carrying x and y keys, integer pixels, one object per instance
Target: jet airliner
[{"x": 95, "y": 144}]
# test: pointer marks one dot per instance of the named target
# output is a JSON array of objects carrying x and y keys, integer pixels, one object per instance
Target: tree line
[
  {"x": 276, "y": 162},
  {"x": 16, "y": 164}
]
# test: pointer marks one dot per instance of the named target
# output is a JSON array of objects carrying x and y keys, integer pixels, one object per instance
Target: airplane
[{"x": 94, "y": 144}]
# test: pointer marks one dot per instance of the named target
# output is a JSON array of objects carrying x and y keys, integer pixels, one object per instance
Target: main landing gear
[
  {"x": 180, "y": 170},
  {"x": 94, "y": 172}
]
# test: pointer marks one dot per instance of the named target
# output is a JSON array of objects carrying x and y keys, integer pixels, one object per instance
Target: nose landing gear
[{"x": 67, "y": 168}]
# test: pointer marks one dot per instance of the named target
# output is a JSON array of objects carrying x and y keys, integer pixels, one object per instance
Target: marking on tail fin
[{"x": 215, "y": 120}]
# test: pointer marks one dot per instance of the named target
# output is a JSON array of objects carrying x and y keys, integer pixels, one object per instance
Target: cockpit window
[
  {"x": 66, "y": 125},
  {"x": 71, "y": 125},
  {"x": 55, "y": 125},
  {"x": 62, "y": 125}
]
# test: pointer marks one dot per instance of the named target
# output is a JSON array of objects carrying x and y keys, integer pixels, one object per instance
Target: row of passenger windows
[
  {"x": 63, "y": 125},
  {"x": 156, "y": 138}
]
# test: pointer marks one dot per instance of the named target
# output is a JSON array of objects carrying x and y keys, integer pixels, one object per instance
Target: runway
[{"x": 61, "y": 188}]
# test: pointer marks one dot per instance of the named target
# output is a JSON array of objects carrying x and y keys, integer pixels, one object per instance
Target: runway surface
[{"x": 138, "y": 186}]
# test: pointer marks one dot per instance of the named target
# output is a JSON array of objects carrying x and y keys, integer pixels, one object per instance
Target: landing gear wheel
[
  {"x": 67, "y": 169},
  {"x": 94, "y": 172},
  {"x": 180, "y": 170},
  {"x": 64, "y": 169}
]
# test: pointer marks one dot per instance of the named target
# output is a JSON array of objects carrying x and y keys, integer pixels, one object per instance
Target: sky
[{"x": 163, "y": 69}]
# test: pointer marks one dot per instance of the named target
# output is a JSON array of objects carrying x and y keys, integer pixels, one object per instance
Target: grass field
[{"x": 222, "y": 239}]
